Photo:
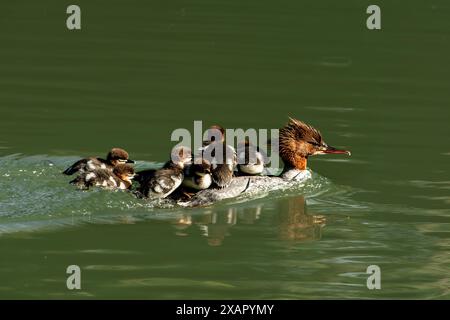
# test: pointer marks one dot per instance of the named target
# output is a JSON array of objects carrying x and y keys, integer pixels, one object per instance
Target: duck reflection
[
  {"x": 249, "y": 215},
  {"x": 291, "y": 219},
  {"x": 294, "y": 223},
  {"x": 181, "y": 225},
  {"x": 215, "y": 225}
]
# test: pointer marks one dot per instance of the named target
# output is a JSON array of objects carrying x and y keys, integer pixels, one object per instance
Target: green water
[{"x": 138, "y": 70}]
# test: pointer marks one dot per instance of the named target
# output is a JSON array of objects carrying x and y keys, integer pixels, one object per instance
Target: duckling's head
[
  {"x": 245, "y": 144},
  {"x": 117, "y": 156},
  {"x": 215, "y": 133},
  {"x": 202, "y": 168},
  {"x": 181, "y": 156},
  {"x": 299, "y": 140},
  {"x": 124, "y": 171},
  {"x": 247, "y": 153}
]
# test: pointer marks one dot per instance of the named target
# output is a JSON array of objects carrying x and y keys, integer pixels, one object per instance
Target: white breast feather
[
  {"x": 90, "y": 176},
  {"x": 91, "y": 165},
  {"x": 163, "y": 184},
  {"x": 205, "y": 182}
]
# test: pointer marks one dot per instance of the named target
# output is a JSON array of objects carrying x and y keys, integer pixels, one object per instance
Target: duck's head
[
  {"x": 180, "y": 156},
  {"x": 118, "y": 156},
  {"x": 124, "y": 171},
  {"x": 299, "y": 140}
]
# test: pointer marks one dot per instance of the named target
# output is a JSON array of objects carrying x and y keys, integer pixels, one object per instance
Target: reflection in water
[
  {"x": 215, "y": 225},
  {"x": 182, "y": 224},
  {"x": 296, "y": 224},
  {"x": 293, "y": 222}
]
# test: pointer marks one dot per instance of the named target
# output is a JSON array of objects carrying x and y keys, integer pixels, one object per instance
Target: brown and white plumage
[
  {"x": 197, "y": 176},
  {"x": 161, "y": 183},
  {"x": 221, "y": 156},
  {"x": 114, "y": 157},
  {"x": 250, "y": 159},
  {"x": 119, "y": 178},
  {"x": 223, "y": 161}
]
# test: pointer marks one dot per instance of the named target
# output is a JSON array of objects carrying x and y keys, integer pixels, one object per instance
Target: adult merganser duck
[
  {"x": 221, "y": 156},
  {"x": 114, "y": 157},
  {"x": 119, "y": 178},
  {"x": 161, "y": 183},
  {"x": 297, "y": 141}
]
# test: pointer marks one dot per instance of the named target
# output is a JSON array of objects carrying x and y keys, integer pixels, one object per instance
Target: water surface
[{"x": 137, "y": 71}]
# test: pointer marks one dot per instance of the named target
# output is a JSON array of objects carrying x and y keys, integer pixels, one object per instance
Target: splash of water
[{"x": 35, "y": 195}]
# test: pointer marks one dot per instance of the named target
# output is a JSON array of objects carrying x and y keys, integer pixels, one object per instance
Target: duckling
[
  {"x": 221, "y": 156},
  {"x": 113, "y": 158},
  {"x": 161, "y": 183},
  {"x": 119, "y": 178},
  {"x": 250, "y": 159},
  {"x": 197, "y": 176}
]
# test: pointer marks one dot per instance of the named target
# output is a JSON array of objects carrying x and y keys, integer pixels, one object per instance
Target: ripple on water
[
  {"x": 36, "y": 196},
  {"x": 336, "y": 62}
]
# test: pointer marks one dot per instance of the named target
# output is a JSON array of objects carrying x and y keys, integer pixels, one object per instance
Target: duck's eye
[{"x": 314, "y": 143}]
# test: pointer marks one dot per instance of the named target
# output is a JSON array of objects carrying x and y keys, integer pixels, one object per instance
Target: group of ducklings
[{"x": 183, "y": 175}]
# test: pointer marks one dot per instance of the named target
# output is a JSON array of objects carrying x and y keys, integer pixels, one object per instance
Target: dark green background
[{"x": 139, "y": 69}]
